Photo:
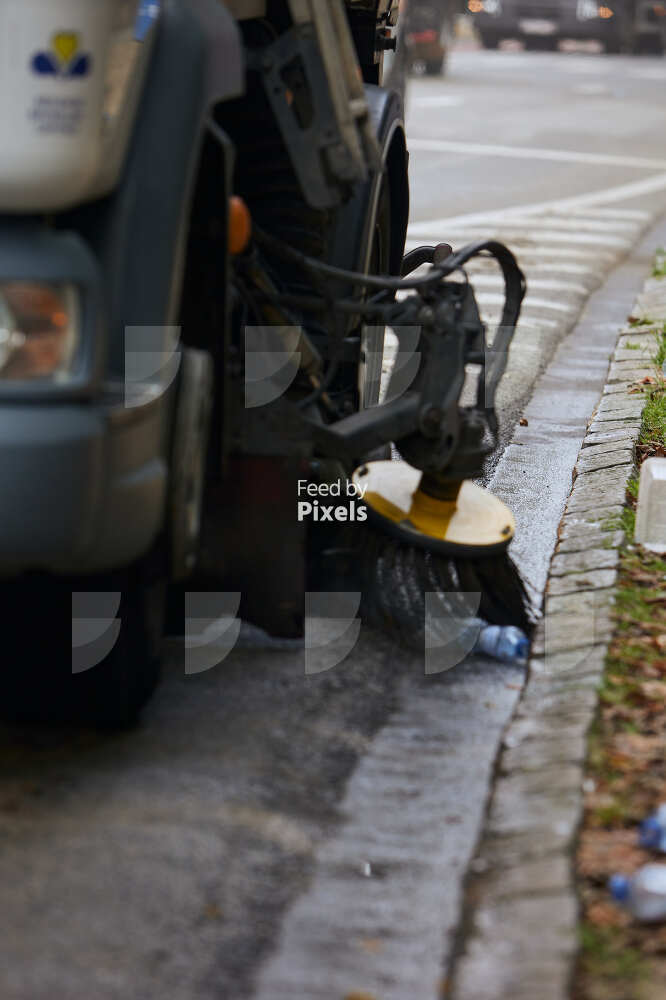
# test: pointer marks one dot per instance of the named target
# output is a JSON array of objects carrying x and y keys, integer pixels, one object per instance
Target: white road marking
[
  {"x": 567, "y": 222},
  {"x": 591, "y": 89},
  {"x": 490, "y": 299},
  {"x": 564, "y": 246},
  {"x": 611, "y": 213},
  {"x": 531, "y": 323},
  {"x": 596, "y": 67},
  {"x": 536, "y": 153},
  {"x": 438, "y": 101},
  {"x": 583, "y": 270},
  {"x": 526, "y": 324},
  {"x": 512, "y": 232},
  {"x": 535, "y": 284},
  {"x": 544, "y": 264},
  {"x": 507, "y": 60},
  {"x": 534, "y": 252},
  {"x": 647, "y": 73},
  {"x": 649, "y": 185}
]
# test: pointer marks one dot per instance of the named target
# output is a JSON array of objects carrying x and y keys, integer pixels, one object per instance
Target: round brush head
[{"x": 473, "y": 524}]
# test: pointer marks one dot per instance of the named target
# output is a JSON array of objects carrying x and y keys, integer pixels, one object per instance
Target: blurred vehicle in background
[
  {"x": 396, "y": 61},
  {"x": 427, "y": 33},
  {"x": 621, "y": 25}
]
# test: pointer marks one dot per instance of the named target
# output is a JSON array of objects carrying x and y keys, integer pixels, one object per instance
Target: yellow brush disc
[{"x": 476, "y": 523}]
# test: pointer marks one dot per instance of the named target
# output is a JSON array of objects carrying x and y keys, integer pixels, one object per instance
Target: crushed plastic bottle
[
  {"x": 644, "y": 894},
  {"x": 652, "y": 833},
  {"x": 503, "y": 642}
]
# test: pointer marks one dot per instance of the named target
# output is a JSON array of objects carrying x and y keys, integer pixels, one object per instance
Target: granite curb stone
[{"x": 522, "y": 877}]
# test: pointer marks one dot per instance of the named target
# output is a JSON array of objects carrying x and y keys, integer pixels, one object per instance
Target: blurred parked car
[
  {"x": 621, "y": 25},
  {"x": 427, "y": 34}
]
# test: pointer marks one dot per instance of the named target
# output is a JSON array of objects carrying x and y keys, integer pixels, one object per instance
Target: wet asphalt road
[{"x": 221, "y": 850}]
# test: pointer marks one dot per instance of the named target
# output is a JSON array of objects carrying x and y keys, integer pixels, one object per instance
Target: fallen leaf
[
  {"x": 646, "y": 626},
  {"x": 622, "y": 713},
  {"x": 642, "y": 576},
  {"x": 373, "y": 946},
  {"x": 639, "y": 746},
  {"x": 655, "y": 942},
  {"x": 524, "y": 422},
  {"x": 653, "y": 690},
  {"x": 604, "y": 914}
]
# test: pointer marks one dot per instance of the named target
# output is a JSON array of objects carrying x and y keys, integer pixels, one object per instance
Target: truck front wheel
[
  {"x": 85, "y": 651},
  {"x": 489, "y": 40}
]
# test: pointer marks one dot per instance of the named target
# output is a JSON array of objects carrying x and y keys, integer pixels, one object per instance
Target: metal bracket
[{"x": 312, "y": 81}]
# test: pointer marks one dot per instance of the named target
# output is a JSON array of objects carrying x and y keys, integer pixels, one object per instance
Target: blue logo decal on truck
[{"x": 64, "y": 57}]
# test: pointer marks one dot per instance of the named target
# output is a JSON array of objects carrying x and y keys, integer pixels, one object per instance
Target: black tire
[
  {"x": 366, "y": 239},
  {"x": 329, "y": 566},
  {"x": 379, "y": 263},
  {"x": 647, "y": 45},
  {"x": 539, "y": 43},
  {"x": 488, "y": 40},
  {"x": 54, "y": 676},
  {"x": 435, "y": 67}
]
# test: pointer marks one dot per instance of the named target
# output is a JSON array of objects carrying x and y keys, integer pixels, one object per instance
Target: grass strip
[{"x": 626, "y": 770}]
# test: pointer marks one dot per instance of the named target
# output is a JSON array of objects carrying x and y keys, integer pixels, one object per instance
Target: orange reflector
[{"x": 240, "y": 225}]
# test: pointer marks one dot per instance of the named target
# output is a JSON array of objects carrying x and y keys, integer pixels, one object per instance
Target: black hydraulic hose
[
  {"x": 281, "y": 249},
  {"x": 514, "y": 288}
]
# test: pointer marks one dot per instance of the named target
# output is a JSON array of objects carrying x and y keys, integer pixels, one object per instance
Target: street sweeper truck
[{"x": 203, "y": 209}]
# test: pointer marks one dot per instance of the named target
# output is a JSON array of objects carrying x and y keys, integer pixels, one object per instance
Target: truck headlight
[
  {"x": 485, "y": 6},
  {"x": 39, "y": 330}
]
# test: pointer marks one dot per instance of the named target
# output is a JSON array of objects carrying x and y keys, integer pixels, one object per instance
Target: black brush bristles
[
  {"x": 394, "y": 579},
  {"x": 504, "y": 596}
]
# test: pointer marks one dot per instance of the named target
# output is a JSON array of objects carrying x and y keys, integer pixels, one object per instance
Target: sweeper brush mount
[
  {"x": 430, "y": 529},
  {"x": 436, "y": 320}
]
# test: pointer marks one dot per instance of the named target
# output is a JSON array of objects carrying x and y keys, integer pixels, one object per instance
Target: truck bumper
[
  {"x": 82, "y": 486},
  {"x": 514, "y": 22}
]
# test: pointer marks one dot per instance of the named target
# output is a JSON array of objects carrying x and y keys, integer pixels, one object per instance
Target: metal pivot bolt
[
  {"x": 442, "y": 251},
  {"x": 431, "y": 421}
]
